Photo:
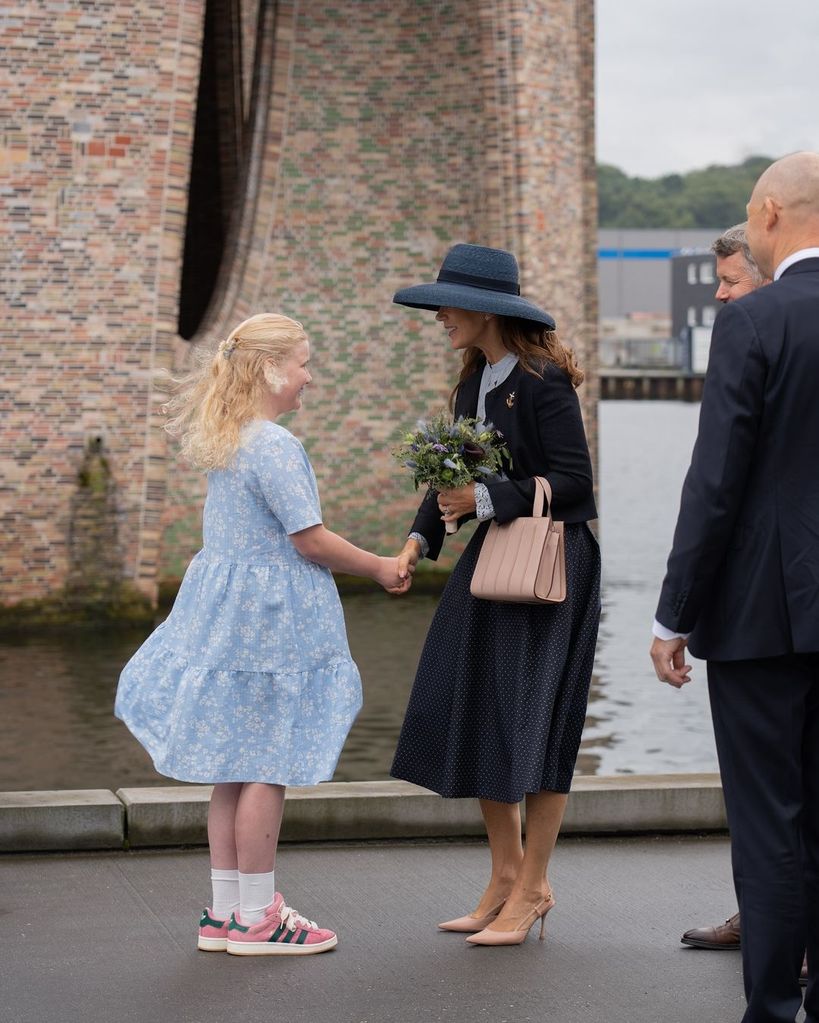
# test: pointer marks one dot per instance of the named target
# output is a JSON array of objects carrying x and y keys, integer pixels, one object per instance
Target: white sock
[
  {"x": 225, "y": 885},
  {"x": 256, "y": 892}
]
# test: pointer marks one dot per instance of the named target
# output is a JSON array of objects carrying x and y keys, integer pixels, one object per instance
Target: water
[
  {"x": 637, "y": 725},
  {"x": 56, "y": 691}
]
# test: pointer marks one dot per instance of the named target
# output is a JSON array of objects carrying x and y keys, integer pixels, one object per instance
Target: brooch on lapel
[{"x": 510, "y": 399}]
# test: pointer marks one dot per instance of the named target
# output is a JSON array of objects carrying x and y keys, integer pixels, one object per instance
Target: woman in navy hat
[{"x": 499, "y": 700}]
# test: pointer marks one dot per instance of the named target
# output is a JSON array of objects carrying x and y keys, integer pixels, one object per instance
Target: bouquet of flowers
[{"x": 445, "y": 455}]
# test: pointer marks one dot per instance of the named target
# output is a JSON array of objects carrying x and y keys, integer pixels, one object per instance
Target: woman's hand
[
  {"x": 407, "y": 560},
  {"x": 454, "y": 504},
  {"x": 393, "y": 576}
]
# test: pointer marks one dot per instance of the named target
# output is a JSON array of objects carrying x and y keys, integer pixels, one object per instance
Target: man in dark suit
[{"x": 742, "y": 587}]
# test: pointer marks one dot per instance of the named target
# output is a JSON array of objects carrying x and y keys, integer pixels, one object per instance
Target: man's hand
[{"x": 668, "y": 656}]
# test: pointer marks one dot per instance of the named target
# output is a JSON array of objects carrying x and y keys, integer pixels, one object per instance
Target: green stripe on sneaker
[
  {"x": 301, "y": 938},
  {"x": 289, "y": 937},
  {"x": 234, "y": 925},
  {"x": 277, "y": 933}
]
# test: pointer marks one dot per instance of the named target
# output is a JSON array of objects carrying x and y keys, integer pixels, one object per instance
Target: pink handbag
[{"x": 523, "y": 561}]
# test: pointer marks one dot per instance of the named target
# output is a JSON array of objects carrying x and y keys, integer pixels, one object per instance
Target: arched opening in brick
[{"x": 216, "y": 160}]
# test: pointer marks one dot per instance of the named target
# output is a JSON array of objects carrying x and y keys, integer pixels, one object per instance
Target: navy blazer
[
  {"x": 743, "y": 573},
  {"x": 540, "y": 419}
]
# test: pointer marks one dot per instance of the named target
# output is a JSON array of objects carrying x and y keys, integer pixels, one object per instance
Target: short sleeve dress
[{"x": 250, "y": 677}]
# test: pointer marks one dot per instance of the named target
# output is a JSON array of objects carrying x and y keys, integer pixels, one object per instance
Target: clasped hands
[
  {"x": 396, "y": 575},
  {"x": 453, "y": 504}
]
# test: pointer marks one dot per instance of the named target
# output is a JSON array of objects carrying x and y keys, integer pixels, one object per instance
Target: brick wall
[
  {"x": 383, "y": 133},
  {"x": 393, "y": 131},
  {"x": 95, "y": 131}
]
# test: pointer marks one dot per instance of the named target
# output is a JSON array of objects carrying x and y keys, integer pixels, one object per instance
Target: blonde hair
[
  {"x": 212, "y": 404},
  {"x": 534, "y": 344}
]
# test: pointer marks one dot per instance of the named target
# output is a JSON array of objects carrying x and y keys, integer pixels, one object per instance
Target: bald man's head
[
  {"x": 783, "y": 213},
  {"x": 791, "y": 181}
]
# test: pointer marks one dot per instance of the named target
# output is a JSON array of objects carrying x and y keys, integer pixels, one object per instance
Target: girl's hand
[
  {"x": 454, "y": 504},
  {"x": 390, "y": 575}
]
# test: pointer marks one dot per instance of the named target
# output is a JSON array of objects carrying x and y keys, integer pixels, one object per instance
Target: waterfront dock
[
  {"x": 110, "y": 938},
  {"x": 655, "y": 384},
  {"x": 109, "y": 934}
]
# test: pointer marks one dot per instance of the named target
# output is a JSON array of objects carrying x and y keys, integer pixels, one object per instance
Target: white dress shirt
[{"x": 795, "y": 257}]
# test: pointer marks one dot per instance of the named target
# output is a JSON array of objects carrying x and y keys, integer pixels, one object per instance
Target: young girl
[{"x": 249, "y": 683}]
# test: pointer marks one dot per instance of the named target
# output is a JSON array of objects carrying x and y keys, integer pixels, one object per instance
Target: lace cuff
[
  {"x": 422, "y": 541},
  {"x": 483, "y": 503}
]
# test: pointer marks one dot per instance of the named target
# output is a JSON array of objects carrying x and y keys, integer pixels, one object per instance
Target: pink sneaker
[
  {"x": 282, "y": 932},
  {"x": 213, "y": 934}
]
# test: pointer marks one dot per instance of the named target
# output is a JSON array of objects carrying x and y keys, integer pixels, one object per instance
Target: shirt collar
[
  {"x": 502, "y": 368},
  {"x": 795, "y": 257}
]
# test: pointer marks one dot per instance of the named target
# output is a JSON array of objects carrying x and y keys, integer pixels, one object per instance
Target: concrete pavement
[{"x": 109, "y": 937}]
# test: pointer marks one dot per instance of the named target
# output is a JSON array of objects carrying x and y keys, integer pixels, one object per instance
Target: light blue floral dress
[{"x": 250, "y": 677}]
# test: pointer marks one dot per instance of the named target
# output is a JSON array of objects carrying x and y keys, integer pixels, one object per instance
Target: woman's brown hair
[{"x": 534, "y": 344}]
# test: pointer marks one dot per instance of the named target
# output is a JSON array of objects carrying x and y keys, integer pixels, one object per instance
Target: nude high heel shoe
[
  {"x": 518, "y": 935},
  {"x": 467, "y": 923}
]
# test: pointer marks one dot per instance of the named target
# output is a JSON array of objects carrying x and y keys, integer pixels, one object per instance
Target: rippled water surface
[{"x": 56, "y": 692}]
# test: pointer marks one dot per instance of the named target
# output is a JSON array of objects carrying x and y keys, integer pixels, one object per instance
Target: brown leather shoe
[{"x": 725, "y": 936}]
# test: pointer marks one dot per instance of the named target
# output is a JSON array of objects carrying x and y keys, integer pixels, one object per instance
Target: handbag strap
[{"x": 543, "y": 491}]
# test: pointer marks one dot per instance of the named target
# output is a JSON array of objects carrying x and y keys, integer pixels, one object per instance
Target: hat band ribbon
[{"x": 487, "y": 283}]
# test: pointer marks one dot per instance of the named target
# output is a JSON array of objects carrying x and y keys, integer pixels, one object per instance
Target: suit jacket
[
  {"x": 540, "y": 419},
  {"x": 743, "y": 572}
]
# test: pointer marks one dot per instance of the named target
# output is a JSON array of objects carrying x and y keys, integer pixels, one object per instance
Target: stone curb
[
  {"x": 62, "y": 819},
  {"x": 177, "y": 814}
]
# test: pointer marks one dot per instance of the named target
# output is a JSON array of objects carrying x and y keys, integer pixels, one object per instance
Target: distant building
[
  {"x": 656, "y": 297},
  {"x": 693, "y": 306},
  {"x": 634, "y": 268}
]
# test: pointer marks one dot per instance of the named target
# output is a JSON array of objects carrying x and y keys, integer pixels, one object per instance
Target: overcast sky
[{"x": 686, "y": 83}]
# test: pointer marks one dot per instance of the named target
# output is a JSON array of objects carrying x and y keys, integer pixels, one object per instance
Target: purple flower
[
  {"x": 438, "y": 447},
  {"x": 450, "y": 464}
]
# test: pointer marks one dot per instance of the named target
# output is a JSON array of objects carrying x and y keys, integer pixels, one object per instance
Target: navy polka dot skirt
[{"x": 499, "y": 700}]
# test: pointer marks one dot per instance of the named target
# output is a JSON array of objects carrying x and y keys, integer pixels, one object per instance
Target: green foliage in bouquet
[{"x": 443, "y": 454}]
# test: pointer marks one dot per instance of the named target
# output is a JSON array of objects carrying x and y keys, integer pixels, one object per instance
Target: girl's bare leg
[
  {"x": 258, "y": 821},
  {"x": 222, "y": 825}
]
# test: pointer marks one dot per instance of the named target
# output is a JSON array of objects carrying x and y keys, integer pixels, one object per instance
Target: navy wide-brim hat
[{"x": 479, "y": 279}]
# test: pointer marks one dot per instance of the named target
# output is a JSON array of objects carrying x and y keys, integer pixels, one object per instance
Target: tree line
[{"x": 712, "y": 197}]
